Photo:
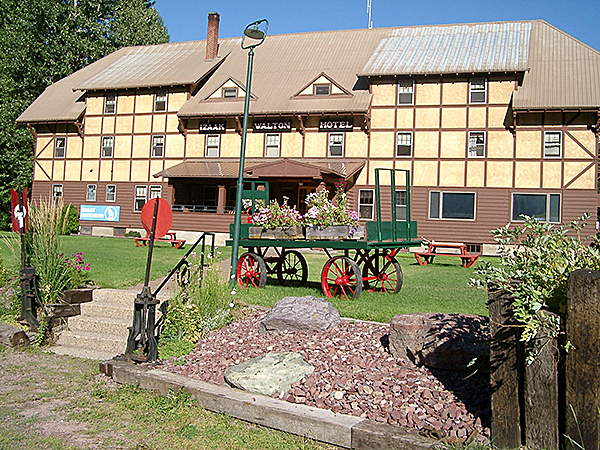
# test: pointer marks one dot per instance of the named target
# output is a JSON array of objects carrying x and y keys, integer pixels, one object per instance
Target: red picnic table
[{"x": 434, "y": 248}]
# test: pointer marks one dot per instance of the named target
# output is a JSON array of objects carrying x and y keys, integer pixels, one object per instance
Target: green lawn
[
  {"x": 114, "y": 262},
  {"x": 438, "y": 287}
]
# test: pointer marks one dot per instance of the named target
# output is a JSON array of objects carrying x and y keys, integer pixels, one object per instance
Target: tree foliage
[{"x": 42, "y": 41}]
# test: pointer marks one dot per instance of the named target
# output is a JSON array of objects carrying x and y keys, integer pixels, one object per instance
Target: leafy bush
[
  {"x": 70, "y": 219},
  {"x": 198, "y": 306},
  {"x": 132, "y": 233},
  {"x": 539, "y": 257}
]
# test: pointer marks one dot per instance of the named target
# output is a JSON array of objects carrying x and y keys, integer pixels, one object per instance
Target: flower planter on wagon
[{"x": 365, "y": 263}]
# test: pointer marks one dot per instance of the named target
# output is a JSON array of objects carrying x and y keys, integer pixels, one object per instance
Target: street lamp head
[{"x": 256, "y": 32}]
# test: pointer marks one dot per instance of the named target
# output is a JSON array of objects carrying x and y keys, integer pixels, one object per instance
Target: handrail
[{"x": 183, "y": 260}]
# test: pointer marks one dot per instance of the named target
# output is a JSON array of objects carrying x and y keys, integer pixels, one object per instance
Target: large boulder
[
  {"x": 268, "y": 374},
  {"x": 441, "y": 341},
  {"x": 300, "y": 314}
]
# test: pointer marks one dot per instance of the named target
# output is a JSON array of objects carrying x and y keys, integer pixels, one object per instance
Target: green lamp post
[{"x": 254, "y": 35}]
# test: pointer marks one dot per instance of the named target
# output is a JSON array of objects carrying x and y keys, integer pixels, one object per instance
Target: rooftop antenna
[{"x": 370, "y": 24}]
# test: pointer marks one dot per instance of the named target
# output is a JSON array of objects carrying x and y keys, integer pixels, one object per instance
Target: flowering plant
[
  {"x": 77, "y": 269},
  {"x": 323, "y": 212},
  {"x": 275, "y": 215}
]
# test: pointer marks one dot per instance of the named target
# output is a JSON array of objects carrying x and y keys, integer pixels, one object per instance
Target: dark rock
[
  {"x": 300, "y": 314},
  {"x": 441, "y": 341}
]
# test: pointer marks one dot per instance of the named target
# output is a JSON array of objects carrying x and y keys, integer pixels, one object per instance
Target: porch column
[{"x": 221, "y": 199}]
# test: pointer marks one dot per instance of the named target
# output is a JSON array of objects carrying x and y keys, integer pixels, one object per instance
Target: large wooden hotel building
[{"x": 494, "y": 120}]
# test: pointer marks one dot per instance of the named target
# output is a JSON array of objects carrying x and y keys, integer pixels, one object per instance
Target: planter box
[
  {"x": 54, "y": 310},
  {"x": 336, "y": 232},
  {"x": 276, "y": 233},
  {"x": 73, "y": 296}
]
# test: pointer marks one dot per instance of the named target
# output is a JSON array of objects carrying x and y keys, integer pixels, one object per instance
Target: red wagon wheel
[
  {"x": 382, "y": 273},
  {"x": 292, "y": 269},
  {"x": 251, "y": 270},
  {"x": 341, "y": 278}
]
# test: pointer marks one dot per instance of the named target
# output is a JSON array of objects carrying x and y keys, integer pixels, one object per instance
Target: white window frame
[
  {"x": 104, "y": 148},
  {"x": 160, "y": 100},
  {"x": 57, "y": 191},
  {"x": 111, "y": 197},
  {"x": 548, "y": 195},
  {"x": 549, "y": 145},
  {"x": 361, "y": 216},
  {"x": 400, "y": 206},
  {"x": 62, "y": 147},
  {"x": 110, "y": 103},
  {"x": 404, "y": 133},
  {"x": 154, "y": 191},
  {"x": 440, "y": 209},
  {"x": 90, "y": 192},
  {"x": 406, "y": 88},
  {"x": 329, "y": 142},
  {"x": 158, "y": 142},
  {"x": 227, "y": 91},
  {"x": 275, "y": 147},
  {"x": 208, "y": 147},
  {"x": 140, "y": 192},
  {"x": 474, "y": 89},
  {"x": 318, "y": 86},
  {"x": 473, "y": 153}
]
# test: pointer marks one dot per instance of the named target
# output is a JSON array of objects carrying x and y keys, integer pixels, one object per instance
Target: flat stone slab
[
  {"x": 300, "y": 314},
  {"x": 268, "y": 374}
]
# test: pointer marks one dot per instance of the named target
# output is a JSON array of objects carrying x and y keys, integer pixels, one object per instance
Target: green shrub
[
  {"x": 132, "y": 233},
  {"x": 539, "y": 257},
  {"x": 70, "y": 219},
  {"x": 198, "y": 306}
]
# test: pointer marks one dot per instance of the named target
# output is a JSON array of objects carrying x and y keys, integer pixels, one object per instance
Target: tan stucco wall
[{"x": 383, "y": 94}]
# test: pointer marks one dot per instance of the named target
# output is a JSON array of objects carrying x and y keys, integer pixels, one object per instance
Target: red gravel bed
[{"x": 354, "y": 374}]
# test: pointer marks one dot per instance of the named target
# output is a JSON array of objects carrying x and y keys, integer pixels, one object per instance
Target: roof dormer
[
  {"x": 229, "y": 90},
  {"x": 322, "y": 86}
]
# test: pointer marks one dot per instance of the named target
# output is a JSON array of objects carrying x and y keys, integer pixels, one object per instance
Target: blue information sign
[{"x": 99, "y": 213}]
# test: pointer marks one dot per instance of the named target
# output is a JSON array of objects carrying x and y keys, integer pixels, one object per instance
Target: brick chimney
[{"x": 212, "y": 36}]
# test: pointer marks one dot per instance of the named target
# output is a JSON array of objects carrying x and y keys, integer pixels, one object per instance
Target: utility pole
[{"x": 370, "y": 24}]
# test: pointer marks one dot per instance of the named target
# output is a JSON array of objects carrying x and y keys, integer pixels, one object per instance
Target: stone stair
[{"x": 100, "y": 332}]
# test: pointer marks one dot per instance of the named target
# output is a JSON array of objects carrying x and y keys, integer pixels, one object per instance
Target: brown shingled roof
[
  {"x": 283, "y": 64},
  {"x": 261, "y": 168}
]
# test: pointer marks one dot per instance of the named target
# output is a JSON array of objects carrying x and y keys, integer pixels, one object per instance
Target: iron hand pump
[{"x": 255, "y": 33}]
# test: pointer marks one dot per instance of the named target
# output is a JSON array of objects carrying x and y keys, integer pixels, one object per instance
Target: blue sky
[{"x": 187, "y": 19}]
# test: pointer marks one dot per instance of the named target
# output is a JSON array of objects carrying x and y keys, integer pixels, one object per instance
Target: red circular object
[{"x": 164, "y": 217}]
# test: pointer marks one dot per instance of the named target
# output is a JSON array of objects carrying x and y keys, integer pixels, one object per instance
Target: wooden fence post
[
  {"x": 582, "y": 366},
  {"x": 504, "y": 371},
  {"x": 541, "y": 394}
]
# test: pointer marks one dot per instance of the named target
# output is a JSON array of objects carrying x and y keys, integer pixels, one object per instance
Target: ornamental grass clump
[
  {"x": 54, "y": 271},
  {"x": 536, "y": 260}
]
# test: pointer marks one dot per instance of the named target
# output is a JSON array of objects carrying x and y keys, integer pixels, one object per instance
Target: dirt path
[{"x": 56, "y": 402}]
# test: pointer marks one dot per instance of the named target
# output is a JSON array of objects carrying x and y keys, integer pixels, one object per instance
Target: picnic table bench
[
  {"x": 434, "y": 248},
  {"x": 169, "y": 237}
]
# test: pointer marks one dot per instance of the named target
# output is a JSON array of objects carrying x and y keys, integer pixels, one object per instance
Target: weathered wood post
[
  {"x": 504, "y": 371},
  {"x": 525, "y": 407},
  {"x": 540, "y": 391},
  {"x": 582, "y": 365}
]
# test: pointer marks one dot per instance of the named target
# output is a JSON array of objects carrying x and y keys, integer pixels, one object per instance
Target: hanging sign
[
  {"x": 213, "y": 127},
  {"x": 19, "y": 212},
  {"x": 272, "y": 127},
  {"x": 336, "y": 125}
]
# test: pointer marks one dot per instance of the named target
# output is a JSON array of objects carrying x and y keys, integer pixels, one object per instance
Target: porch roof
[{"x": 259, "y": 168}]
